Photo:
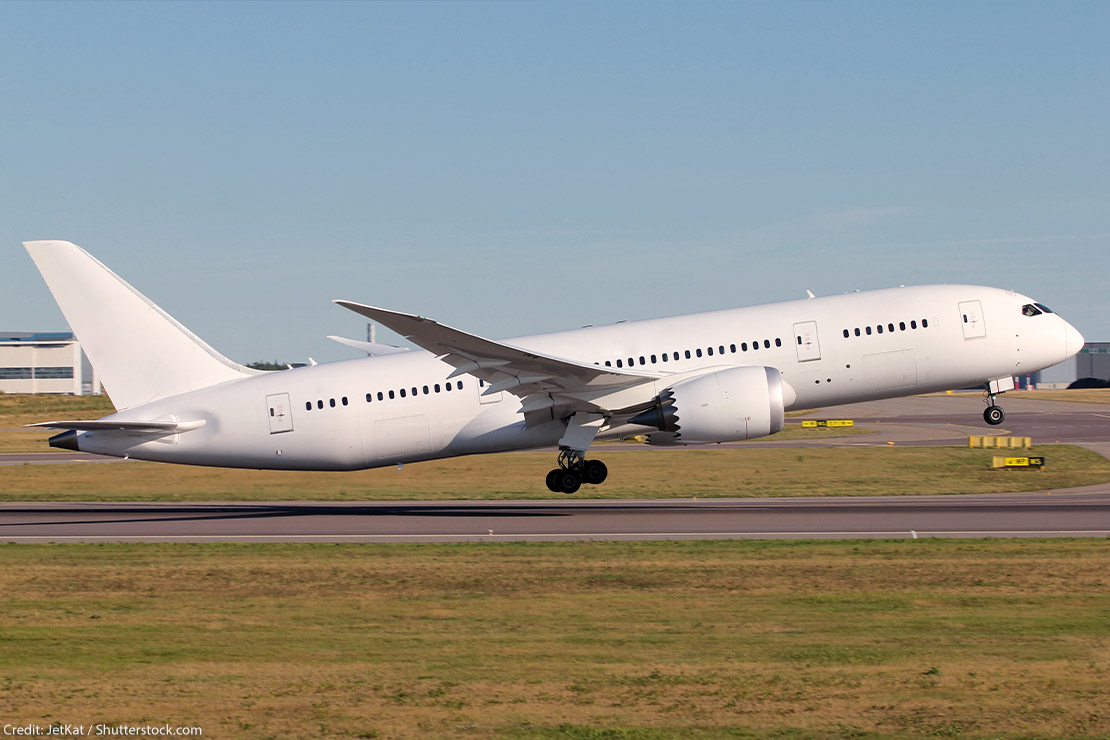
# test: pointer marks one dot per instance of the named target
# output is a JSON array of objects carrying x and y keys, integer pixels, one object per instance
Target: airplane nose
[{"x": 1073, "y": 340}]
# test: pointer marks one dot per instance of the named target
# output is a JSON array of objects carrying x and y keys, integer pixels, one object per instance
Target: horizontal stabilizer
[{"x": 137, "y": 427}]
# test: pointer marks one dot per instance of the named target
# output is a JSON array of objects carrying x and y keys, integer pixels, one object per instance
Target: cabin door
[
  {"x": 279, "y": 413},
  {"x": 971, "y": 318},
  {"x": 805, "y": 339}
]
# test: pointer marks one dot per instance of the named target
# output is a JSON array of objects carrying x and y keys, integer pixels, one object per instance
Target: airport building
[{"x": 45, "y": 362}]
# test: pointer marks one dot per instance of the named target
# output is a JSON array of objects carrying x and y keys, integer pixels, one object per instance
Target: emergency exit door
[
  {"x": 805, "y": 339},
  {"x": 279, "y": 413}
]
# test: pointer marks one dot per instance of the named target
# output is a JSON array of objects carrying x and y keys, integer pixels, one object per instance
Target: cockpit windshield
[{"x": 1035, "y": 309}]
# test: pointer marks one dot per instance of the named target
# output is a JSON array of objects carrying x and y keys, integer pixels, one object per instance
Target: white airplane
[{"x": 696, "y": 379}]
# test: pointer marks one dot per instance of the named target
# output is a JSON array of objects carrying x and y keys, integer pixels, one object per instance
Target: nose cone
[{"x": 1073, "y": 340}]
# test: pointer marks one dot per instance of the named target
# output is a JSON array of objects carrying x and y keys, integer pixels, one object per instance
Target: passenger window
[
  {"x": 620, "y": 364},
  {"x": 743, "y": 346},
  {"x": 868, "y": 330},
  {"x": 414, "y": 393},
  {"x": 447, "y": 387},
  {"x": 631, "y": 361},
  {"x": 369, "y": 398},
  {"x": 924, "y": 323},
  {"x": 687, "y": 354},
  {"x": 766, "y": 344},
  {"x": 642, "y": 360},
  {"x": 778, "y": 342},
  {"x": 732, "y": 348},
  {"x": 402, "y": 393},
  {"x": 380, "y": 397},
  {"x": 913, "y": 324},
  {"x": 436, "y": 387},
  {"x": 709, "y": 351},
  {"x": 845, "y": 333},
  {"x": 425, "y": 390},
  {"x": 391, "y": 396},
  {"x": 857, "y": 331},
  {"x": 665, "y": 358},
  {"x": 459, "y": 385},
  {"x": 879, "y": 328},
  {"x": 308, "y": 406},
  {"x": 697, "y": 352},
  {"x": 902, "y": 325},
  {"x": 890, "y": 327},
  {"x": 608, "y": 364},
  {"x": 344, "y": 400},
  {"x": 331, "y": 402},
  {"x": 676, "y": 357},
  {"x": 653, "y": 359},
  {"x": 319, "y": 404}
]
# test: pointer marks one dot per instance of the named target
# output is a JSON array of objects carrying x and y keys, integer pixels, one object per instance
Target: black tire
[
  {"x": 994, "y": 415},
  {"x": 595, "y": 472},
  {"x": 553, "y": 481},
  {"x": 569, "y": 482}
]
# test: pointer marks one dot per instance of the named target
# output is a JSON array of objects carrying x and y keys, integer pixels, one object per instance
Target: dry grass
[
  {"x": 17, "y": 410},
  {"x": 634, "y": 471},
  {"x": 623, "y": 640},
  {"x": 1078, "y": 395}
]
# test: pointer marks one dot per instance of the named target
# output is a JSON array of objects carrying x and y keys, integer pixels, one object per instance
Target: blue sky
[{"x": 511, "y": 167}]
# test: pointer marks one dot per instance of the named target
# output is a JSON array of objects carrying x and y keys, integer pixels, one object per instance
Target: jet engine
[{"x": 719, "y": 406}]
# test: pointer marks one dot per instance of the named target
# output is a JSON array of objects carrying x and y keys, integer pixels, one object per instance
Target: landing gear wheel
[
  {"x": 568, "y": 481},
  {"x": 994, "y": 415},
  {"x": 553, "y": 480},
  {"x": 594, "y": 472}
]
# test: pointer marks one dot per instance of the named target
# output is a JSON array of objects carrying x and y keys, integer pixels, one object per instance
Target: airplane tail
[{"x": 140, "y": 352}]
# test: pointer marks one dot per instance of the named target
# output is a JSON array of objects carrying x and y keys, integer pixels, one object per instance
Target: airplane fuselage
[{"x": 400, "y": 408}]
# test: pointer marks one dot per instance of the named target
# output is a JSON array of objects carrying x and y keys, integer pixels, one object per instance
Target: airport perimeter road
[{"x": 1074, "y": 513}]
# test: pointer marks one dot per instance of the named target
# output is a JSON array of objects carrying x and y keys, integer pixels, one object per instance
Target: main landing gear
[
  {"x": 574, "y": 470},
  {"x": 993, "y": 414}
]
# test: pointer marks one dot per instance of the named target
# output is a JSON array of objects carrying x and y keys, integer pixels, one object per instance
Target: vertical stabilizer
[{"x": 140, "y": 352}]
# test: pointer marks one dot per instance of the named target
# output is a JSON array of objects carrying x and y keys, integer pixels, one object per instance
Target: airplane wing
[
  {"x": 521, "y": 372},
  {"x": 374, "y": 349}
]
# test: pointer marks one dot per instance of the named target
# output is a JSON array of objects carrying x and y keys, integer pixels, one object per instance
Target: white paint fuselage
[{"x": 330, "y": 425}]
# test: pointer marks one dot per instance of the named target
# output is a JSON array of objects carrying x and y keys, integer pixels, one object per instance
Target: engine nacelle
[{"x": 720, "y": 406}]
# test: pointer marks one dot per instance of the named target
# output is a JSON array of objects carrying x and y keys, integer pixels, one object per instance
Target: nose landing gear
[{"x": 574, "y": 470}]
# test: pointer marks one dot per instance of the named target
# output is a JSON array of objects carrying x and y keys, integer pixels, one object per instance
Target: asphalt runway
[
  {"x": 909, "y": 421},
  {"x": 1076, "y": 513}
]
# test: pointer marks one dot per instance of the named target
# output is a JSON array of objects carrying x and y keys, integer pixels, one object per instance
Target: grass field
[
  {"x": 911, "y": 639},
  {"x": 634, "y": 472},
  {"x": 1077, "y": 395}
]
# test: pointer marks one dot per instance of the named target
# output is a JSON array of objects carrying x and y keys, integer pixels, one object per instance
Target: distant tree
[{"x": 267, "y": 365}]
